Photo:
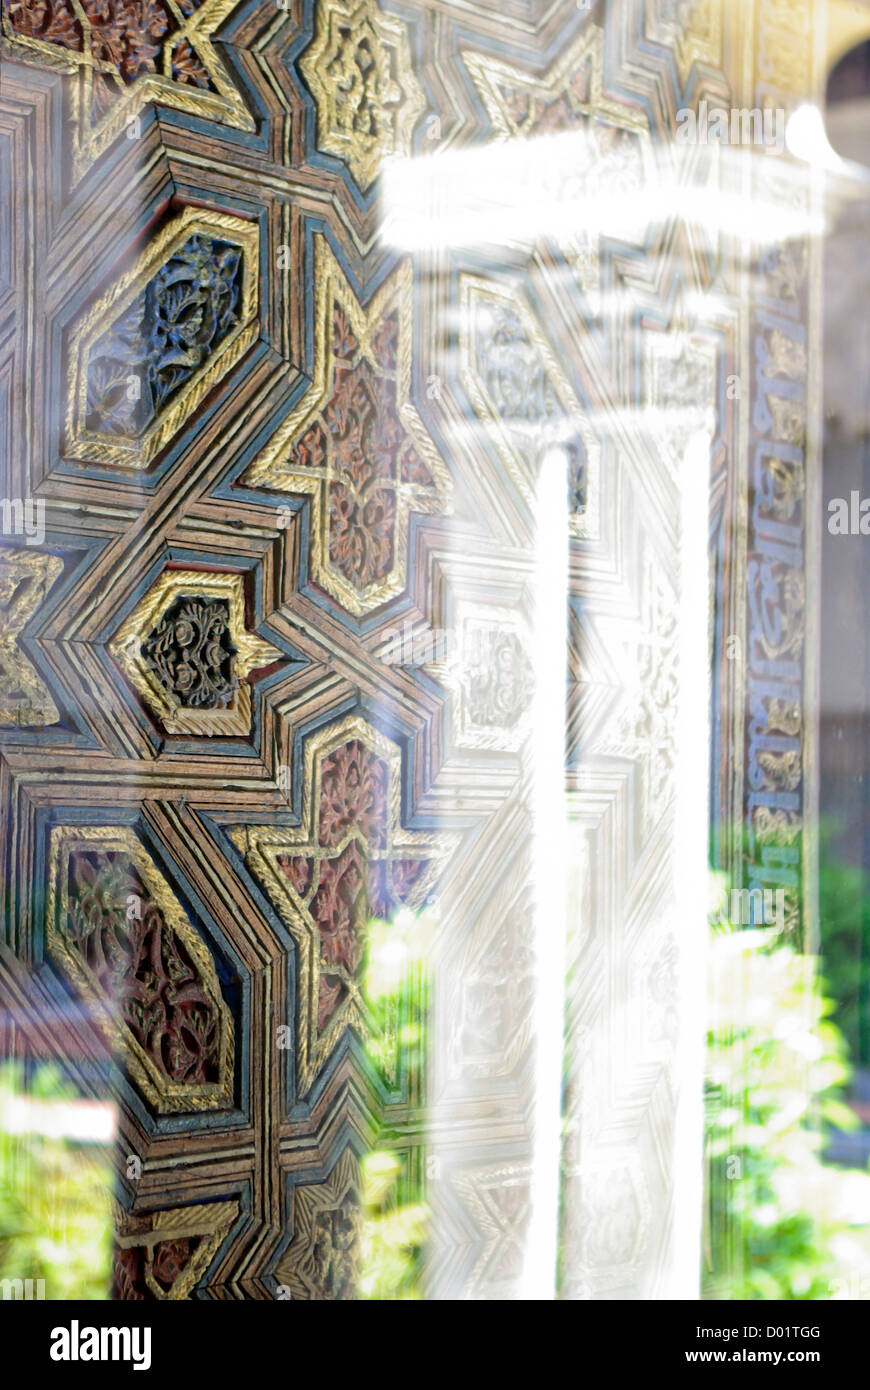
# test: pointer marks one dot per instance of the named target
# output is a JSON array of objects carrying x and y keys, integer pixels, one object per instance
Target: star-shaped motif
[
  {"x": 367, "y": 97},
  {"x": 124, "y": 54},
  {"x": 349, "y": 862},
  {"x": 355, "y": 444}
]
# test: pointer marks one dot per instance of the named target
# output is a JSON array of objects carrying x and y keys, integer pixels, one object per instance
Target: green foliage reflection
[
  {"x": 55, "y": 1212},
  {"x": 782, "y": 1224}
]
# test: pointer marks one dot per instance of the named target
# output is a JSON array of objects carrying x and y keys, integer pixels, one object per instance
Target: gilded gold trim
[
  {"x": 165, "y": 1095},
  {"x": 261, "y": 846},
  {"x": 274, "y": 467},
  {"x": 128, "y": 452},
  {"x": 91, "y": 137},
  {"x": 252, "y": 652},
  {"x": 366, "y": 111},
  {"x": 210, "y": 1221},
  {"x": 26, "y": 576}
]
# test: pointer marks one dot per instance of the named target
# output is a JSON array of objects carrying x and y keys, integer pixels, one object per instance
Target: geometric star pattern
[
  {"x": 122, "y": 57},
  {"x": 320, "y": 474}
]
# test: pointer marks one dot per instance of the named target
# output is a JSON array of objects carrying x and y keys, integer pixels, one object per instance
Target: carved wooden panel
[{"x": 247, "y": 436}]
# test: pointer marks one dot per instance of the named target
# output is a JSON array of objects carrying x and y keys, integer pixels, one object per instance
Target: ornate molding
[
  {"x": 349, "y": 861},
  {"x": 776, "y": 829},
  {"x": 163, "y": 1255},
  {"x": 147, "y": 352},
  {"x": 367, "y": 97},
  {"x": 187, "y": 651},
  {"x": 355, "y": 444},
  {"x": 323, "y": 1259},
  {"x": 610, "y": 155},
  {"x": 26, "y": 576},
  {"x": 122, "y": 56},
  {"x": 692, "y": 28},
  {"x": 121, "y": 939},
  {"x": 524, "y": 400}
]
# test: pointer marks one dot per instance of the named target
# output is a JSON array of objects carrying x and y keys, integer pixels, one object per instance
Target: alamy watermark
[
  {"x": 849, "y": 517},
  {"x": 757, "y": 907},
  {"x": 75, "y": 1343},
  {"x": 24, "y": 1289},
  {"x": 23, "y": 517},
  {"x": 407, "y": 646},
  {"x": 743, "y": 125}
]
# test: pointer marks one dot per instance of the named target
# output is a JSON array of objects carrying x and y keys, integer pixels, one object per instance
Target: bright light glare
[
  {"x": 522, "y": 190},
  {"x": 690, "y": 860},
  {"x": 807, "y": 139},
  {"x": 550, "y": 838},
  {"x": 85, "y": 1121}
]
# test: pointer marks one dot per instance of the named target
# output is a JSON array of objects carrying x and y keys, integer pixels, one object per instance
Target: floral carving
[
  {"x": 523, "y": 398},
  {"x": 361, "y": 535},
  {"x": 353, "y": 794},
  {"x": 511, "y": 368},
  {"x": 367, "y": 97},
  {"x": 192, "y": 653},
  {"x": 351, "y": 888},
  {"x": 360, "y": 438},
  {"x": 187, "y": 650},
  {"x": 299, "y": 869},
  {"x": 498, "y": 682},
  {"x": 163, "y": 1254},
  {"x": 139, "y": 963},
  {"x": 54, "y": 21},
  {"x": 339, "y": 908},
  {"x": 164, "y": 1262},
  {"x": 124, "y": 34},
  {"x": 126, "y": 53},
  {"x": 167, "y": 333},
  {"x": 125, "y": 945},
  {"x": 680, "y": 387},
  {"x": 323, "y": 1259},
  {"x": 188, "y": 67},
  {"x": 355, "y": 444},
  {"x": 128, "y": 1280},
  {"x": 349, "y": 863}
]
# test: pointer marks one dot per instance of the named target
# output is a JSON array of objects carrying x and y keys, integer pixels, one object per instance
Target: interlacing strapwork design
[
  {"x": 121, "y": 938},
  {"x": 124, "y": 54},
  {"x": 323, "y": 1259},
  {"x": 163, "y": 1255},
  {"x": 356, "y": 445},
  {"x": 367, "y": 97},
  {"x": 168, "y": 378},
  {"x": 608, "y": 154},
  {"x": 349, "y": 862},
  {"x": 692, "y": 27},
  {"x": 26, "y": 576}
]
